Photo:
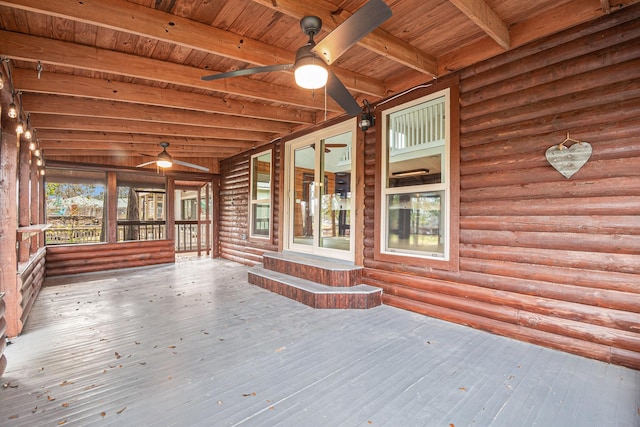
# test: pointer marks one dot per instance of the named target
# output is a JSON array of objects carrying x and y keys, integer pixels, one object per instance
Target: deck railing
[
  {"x": 73, "y": 234},
  {"x": 186, "y": 234}
]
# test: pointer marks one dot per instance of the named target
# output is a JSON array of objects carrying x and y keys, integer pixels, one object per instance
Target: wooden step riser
[
  {"x": 321, "y": 274},
  {"x": 338, "y": 300}
]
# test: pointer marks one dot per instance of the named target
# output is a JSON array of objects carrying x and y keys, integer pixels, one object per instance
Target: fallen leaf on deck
[
  {"x": 451, "y": 425},
  {"x": 89, "y": 387},
  {"x": 62, "y": 422},
  {"x": 121, "y": 410},
  {"x": 249, "y": 394},
  {"x": 103, "y": 414},
  {"x": 13, "y": 417},
  {"x": 65, "y": 382},
  {"x": 172, "y": 346},
  {"x": 280, "y": 349},
  {"x": 142, "y": 363},
  {"x": 51, "y": 399},
  {"x": 9, "y": 385},
  {"x": 137, "y": 343},
  {"x": 117, "y": 355},
  {"x": 34, "y": 410},
  {"x": 462, "y": 388},
  {"x": 65, "y": 405}
]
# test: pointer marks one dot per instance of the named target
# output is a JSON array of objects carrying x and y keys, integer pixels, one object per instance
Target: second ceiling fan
[{"x": 312, "y": 60}]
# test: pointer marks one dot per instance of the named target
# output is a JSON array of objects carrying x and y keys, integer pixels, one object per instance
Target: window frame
[
  {"x": 451, "y": 177},
  {"x": 253, "y": 202}
]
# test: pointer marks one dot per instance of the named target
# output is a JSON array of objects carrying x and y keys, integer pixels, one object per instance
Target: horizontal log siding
[
  {"x": 30, "y": 279},
  {"x": 235, "y": 242},
  {"x": 73, "y": 259},
  {"x": 544, "y": 259}
]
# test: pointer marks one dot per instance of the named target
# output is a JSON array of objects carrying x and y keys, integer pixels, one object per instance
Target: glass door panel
[
  {"x": 335, "y": 204},
  {"x": 305, "y": 197}
]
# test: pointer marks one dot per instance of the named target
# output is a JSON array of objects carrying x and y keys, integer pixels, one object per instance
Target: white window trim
[
  {"x": 257, "y": 201},
  {"x": 445, "y": 185}
]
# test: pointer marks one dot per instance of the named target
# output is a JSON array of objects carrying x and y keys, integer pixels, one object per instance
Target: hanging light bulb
[
  {"x": 1, "y": 82},
  {"x": 36, "y": 152},
  {"x": 13, "y": 111},
  {"x": 39, "y": 162},
  {"x": 20, "y": 127},
  {"x": 32, "y": 145},
  {"x": 42, "y": 172},
  {"x": 27, "y": 132}
]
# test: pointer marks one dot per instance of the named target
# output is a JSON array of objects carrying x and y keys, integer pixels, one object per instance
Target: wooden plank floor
[{"x": 193, "y": 344}]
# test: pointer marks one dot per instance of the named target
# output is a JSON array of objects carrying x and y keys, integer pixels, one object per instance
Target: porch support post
[
  {"x": 9, "y": 226},
  {"x": 112, "y": 208},
  {"x": 24, "y": 202}
]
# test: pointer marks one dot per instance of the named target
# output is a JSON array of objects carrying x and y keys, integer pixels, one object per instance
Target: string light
[{"x": 13, "y": 111}]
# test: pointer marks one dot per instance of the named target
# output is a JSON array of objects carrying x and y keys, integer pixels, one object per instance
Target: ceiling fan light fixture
[
  {"x": 164, "y": 159},
  {"x": 311, "y": 73}
]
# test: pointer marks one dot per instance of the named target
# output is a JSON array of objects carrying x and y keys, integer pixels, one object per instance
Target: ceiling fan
[
  {"x": 164, "y": 160},
  {"x": 310, "y": 66}
]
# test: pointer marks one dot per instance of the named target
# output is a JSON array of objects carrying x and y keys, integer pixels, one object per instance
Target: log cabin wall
[
  {"x": 235, "y": 242},
  {"x": 74, "y": 259},
  {"x": 543, "y": 258},
  {"x": 31, "y": 276}
]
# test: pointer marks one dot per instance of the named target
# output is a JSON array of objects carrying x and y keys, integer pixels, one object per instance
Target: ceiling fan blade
[
  {"x": 146, "y": 164},
  {"x": 248, "y": 71},
  {"x": 190, "y": 165},
  {"x": 366, "y": 19},
  {"x": 341, "y": 95}
]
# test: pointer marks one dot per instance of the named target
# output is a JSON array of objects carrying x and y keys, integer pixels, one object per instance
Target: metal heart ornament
[{"x": 568, "y": 160}]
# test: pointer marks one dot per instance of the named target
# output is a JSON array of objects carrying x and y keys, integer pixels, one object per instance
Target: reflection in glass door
[
  {"x": 304, "y": 195},
  {"x": 321, "y": 203}
]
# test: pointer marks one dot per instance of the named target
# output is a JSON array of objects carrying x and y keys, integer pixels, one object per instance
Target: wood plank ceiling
[{"x": 117, "y": 77}]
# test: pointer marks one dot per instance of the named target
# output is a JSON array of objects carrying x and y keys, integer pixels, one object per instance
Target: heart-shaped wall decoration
[{"x": 568, "y": 160}]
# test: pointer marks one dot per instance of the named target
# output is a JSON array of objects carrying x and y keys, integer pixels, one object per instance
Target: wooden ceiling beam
[
  {"x": 50, "y": 121},
  {"x": 61, "y": 53},
  {"x": 69, "y": 136},
  {"x": 128, "y": 148},
  {"x": 67, "y": 84},
  {"x": 485, "y": 17},
  {"x": 159, "y": 25},
  {"x": 552, "y": 21},
  {"x": 84, "y": 107},
  {"x": 378, "y": 41}
]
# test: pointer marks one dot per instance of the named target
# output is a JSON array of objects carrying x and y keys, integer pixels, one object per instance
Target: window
[
  {"x": 75, "y": 206},
  {"x": 141, "y": 207},
  {"x": 415, "y": 197},
  {"x": 260, "y": 197}
]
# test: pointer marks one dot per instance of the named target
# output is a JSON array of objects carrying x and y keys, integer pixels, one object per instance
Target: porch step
[
  {"x": 315, "y": 294},
  {"x": 322, "y": 270}
]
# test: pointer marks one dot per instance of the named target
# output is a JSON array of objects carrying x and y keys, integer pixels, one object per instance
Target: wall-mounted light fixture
[{"x": 367, "y": 119}]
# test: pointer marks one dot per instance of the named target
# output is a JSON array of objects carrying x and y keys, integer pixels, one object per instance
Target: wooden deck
[{"x": 195, "y": 344}]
